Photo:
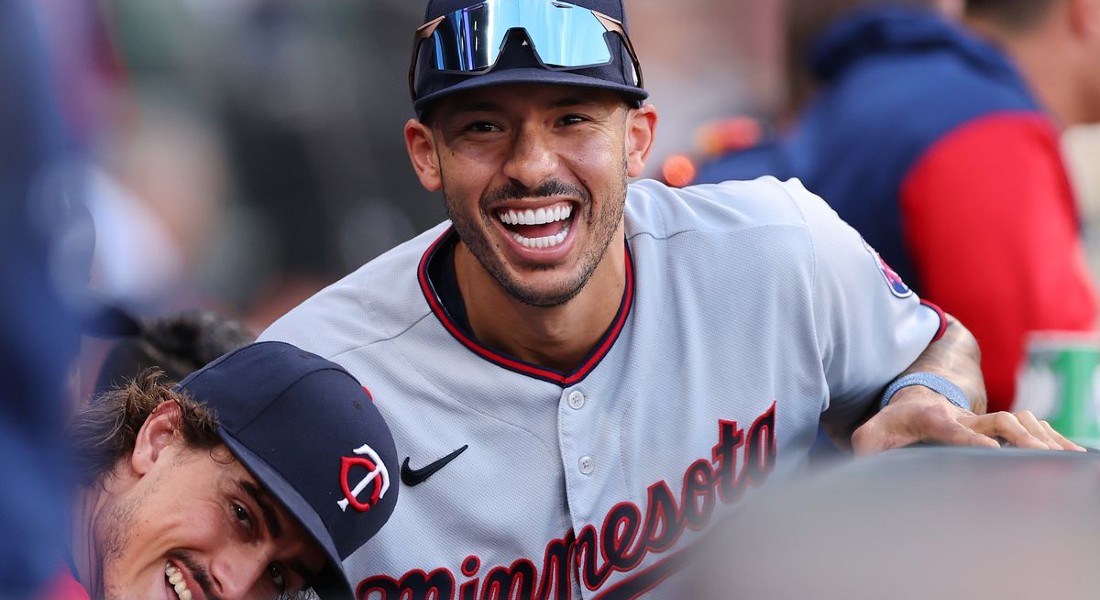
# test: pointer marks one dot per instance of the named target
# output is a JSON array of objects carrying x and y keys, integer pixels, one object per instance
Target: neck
[
  {"x": 1047, "y": 60},
  {"x": 557, "y": 337},
  {"x": 1053, "y": 85}
]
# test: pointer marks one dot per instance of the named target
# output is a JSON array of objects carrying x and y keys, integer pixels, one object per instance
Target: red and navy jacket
[{"x": 928, "y": 141}]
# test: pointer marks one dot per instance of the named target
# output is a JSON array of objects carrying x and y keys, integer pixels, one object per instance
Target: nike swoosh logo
[{"x": 411, "y": 476}]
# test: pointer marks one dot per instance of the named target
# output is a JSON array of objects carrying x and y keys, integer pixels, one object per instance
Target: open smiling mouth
[
  {"x": 538, "y": 229},
  {"x": 175, "y": 579}
]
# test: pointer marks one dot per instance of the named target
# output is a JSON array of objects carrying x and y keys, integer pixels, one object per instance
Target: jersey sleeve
[
  {"x": 990, "y": 221},
  {"x": 870, "y": 326}
]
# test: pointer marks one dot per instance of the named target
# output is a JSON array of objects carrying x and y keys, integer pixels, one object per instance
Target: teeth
[
  {"x": 541, "y": 216},
  {"x": 542, "y": 242},
  {"x": 175, "y": 578}
]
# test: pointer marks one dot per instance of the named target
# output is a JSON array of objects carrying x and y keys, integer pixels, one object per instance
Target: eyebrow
[{"x": 263, "y": 500}]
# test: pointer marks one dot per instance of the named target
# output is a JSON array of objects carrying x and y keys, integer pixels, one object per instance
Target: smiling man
[
  {"x": 252, "y": 479},
  {"x": 585, "y": 373}
]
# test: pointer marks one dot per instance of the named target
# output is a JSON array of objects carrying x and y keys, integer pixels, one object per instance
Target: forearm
[
  {"x": 918, "y": 414},
  {"x": 956, "y": 357}
]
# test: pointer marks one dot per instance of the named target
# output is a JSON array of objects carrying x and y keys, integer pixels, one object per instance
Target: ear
[
  {"x": 641, "y": 127},
  {"x": 420, "y": 143},
  {"x": 158, "y": 432}
]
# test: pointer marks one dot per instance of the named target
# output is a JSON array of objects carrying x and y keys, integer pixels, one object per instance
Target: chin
[
  {"x": 140, "y": 586},
  {"x": 544, "y": 298}
]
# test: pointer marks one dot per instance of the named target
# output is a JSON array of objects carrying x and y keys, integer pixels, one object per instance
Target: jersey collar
[{"x": 603, "y": 346}]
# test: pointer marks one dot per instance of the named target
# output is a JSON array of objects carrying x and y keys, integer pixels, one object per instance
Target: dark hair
[
  {"x": 1015, "y": 16},
  {"x": 105, "y": 431},
  {"x": 177, "y": 343}
]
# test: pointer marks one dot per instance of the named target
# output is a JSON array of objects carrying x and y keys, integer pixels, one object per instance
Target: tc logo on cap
[{"x": 377, "y": 478}]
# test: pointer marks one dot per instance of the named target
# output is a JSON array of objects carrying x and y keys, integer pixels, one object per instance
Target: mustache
[
  {"x": 516, "y": 191},
  {"x": 197, "y": 571}
]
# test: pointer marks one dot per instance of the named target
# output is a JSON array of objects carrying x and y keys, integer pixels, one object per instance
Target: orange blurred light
[
  {"x": 735, "y": 133},
  {"x": 678, "y": 170}
]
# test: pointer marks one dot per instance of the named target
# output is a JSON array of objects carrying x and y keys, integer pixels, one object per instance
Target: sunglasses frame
[{"x": 426, "y": 30}]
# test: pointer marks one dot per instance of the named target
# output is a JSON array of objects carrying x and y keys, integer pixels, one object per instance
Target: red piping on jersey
[
  {"x": 943, "y": 319},
  {"x": 515, "y": 364}
]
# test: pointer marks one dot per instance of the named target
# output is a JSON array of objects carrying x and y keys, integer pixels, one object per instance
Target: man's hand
[{"x": 918, "y": 414}]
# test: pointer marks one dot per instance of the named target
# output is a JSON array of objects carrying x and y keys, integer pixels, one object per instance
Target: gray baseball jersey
[{"x": 751, "y": 313}]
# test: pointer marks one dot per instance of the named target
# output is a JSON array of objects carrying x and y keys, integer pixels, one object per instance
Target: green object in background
[
  {"x": 1060, "y": 382},
  {"x": 1075, "y": 415}
]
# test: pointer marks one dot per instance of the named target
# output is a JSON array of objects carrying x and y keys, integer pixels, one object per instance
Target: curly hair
[{"x": 103, "y": 432}]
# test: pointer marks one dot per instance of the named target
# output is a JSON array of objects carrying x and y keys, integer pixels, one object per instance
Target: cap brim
[
  {"x": 331, "y": 582},
  {"x": 530, "y": 75}
]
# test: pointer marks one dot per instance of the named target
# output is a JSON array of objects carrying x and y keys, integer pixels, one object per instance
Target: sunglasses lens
[{"x": 563, "y": 35}]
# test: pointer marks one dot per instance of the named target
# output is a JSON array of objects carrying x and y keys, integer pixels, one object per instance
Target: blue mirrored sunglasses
[{"x": 564, "y": 36}]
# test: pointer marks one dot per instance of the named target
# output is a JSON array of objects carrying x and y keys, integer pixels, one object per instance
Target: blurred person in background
[
  {"x": 44, "y": 255},
  {"x": 941, "y": 146}
]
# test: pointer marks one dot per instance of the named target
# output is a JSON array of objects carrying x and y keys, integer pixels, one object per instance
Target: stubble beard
[
  {"x": 118, "y": 520},
  {"x": 116, "y": 524},
  {"x": 472, "y": 231}
]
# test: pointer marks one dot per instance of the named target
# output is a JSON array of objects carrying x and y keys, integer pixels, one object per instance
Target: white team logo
[{"x": 377, "y": 478}]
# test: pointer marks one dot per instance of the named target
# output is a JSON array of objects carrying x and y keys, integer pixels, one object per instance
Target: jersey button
[
  {"x": 576, "y": 400},
  {"x": 587, "y": 465}
]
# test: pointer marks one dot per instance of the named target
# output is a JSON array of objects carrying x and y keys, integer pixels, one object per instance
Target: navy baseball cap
[
  {"x": 310, "y": 433},
  {"x": 468, "y": 44}
]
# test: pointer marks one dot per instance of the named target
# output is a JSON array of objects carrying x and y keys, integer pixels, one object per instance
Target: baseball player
[
  {"x": 253, "y": 478},
  {"x": 582, "y": 374}
]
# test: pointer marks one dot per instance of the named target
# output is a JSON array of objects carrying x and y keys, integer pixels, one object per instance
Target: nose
[
  {"x": 532, "y": 159},
  {"x": 235, "y": 573}
]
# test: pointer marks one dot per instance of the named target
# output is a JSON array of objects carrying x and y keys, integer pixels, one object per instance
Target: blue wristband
[{"x": 934, "y": 382}]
